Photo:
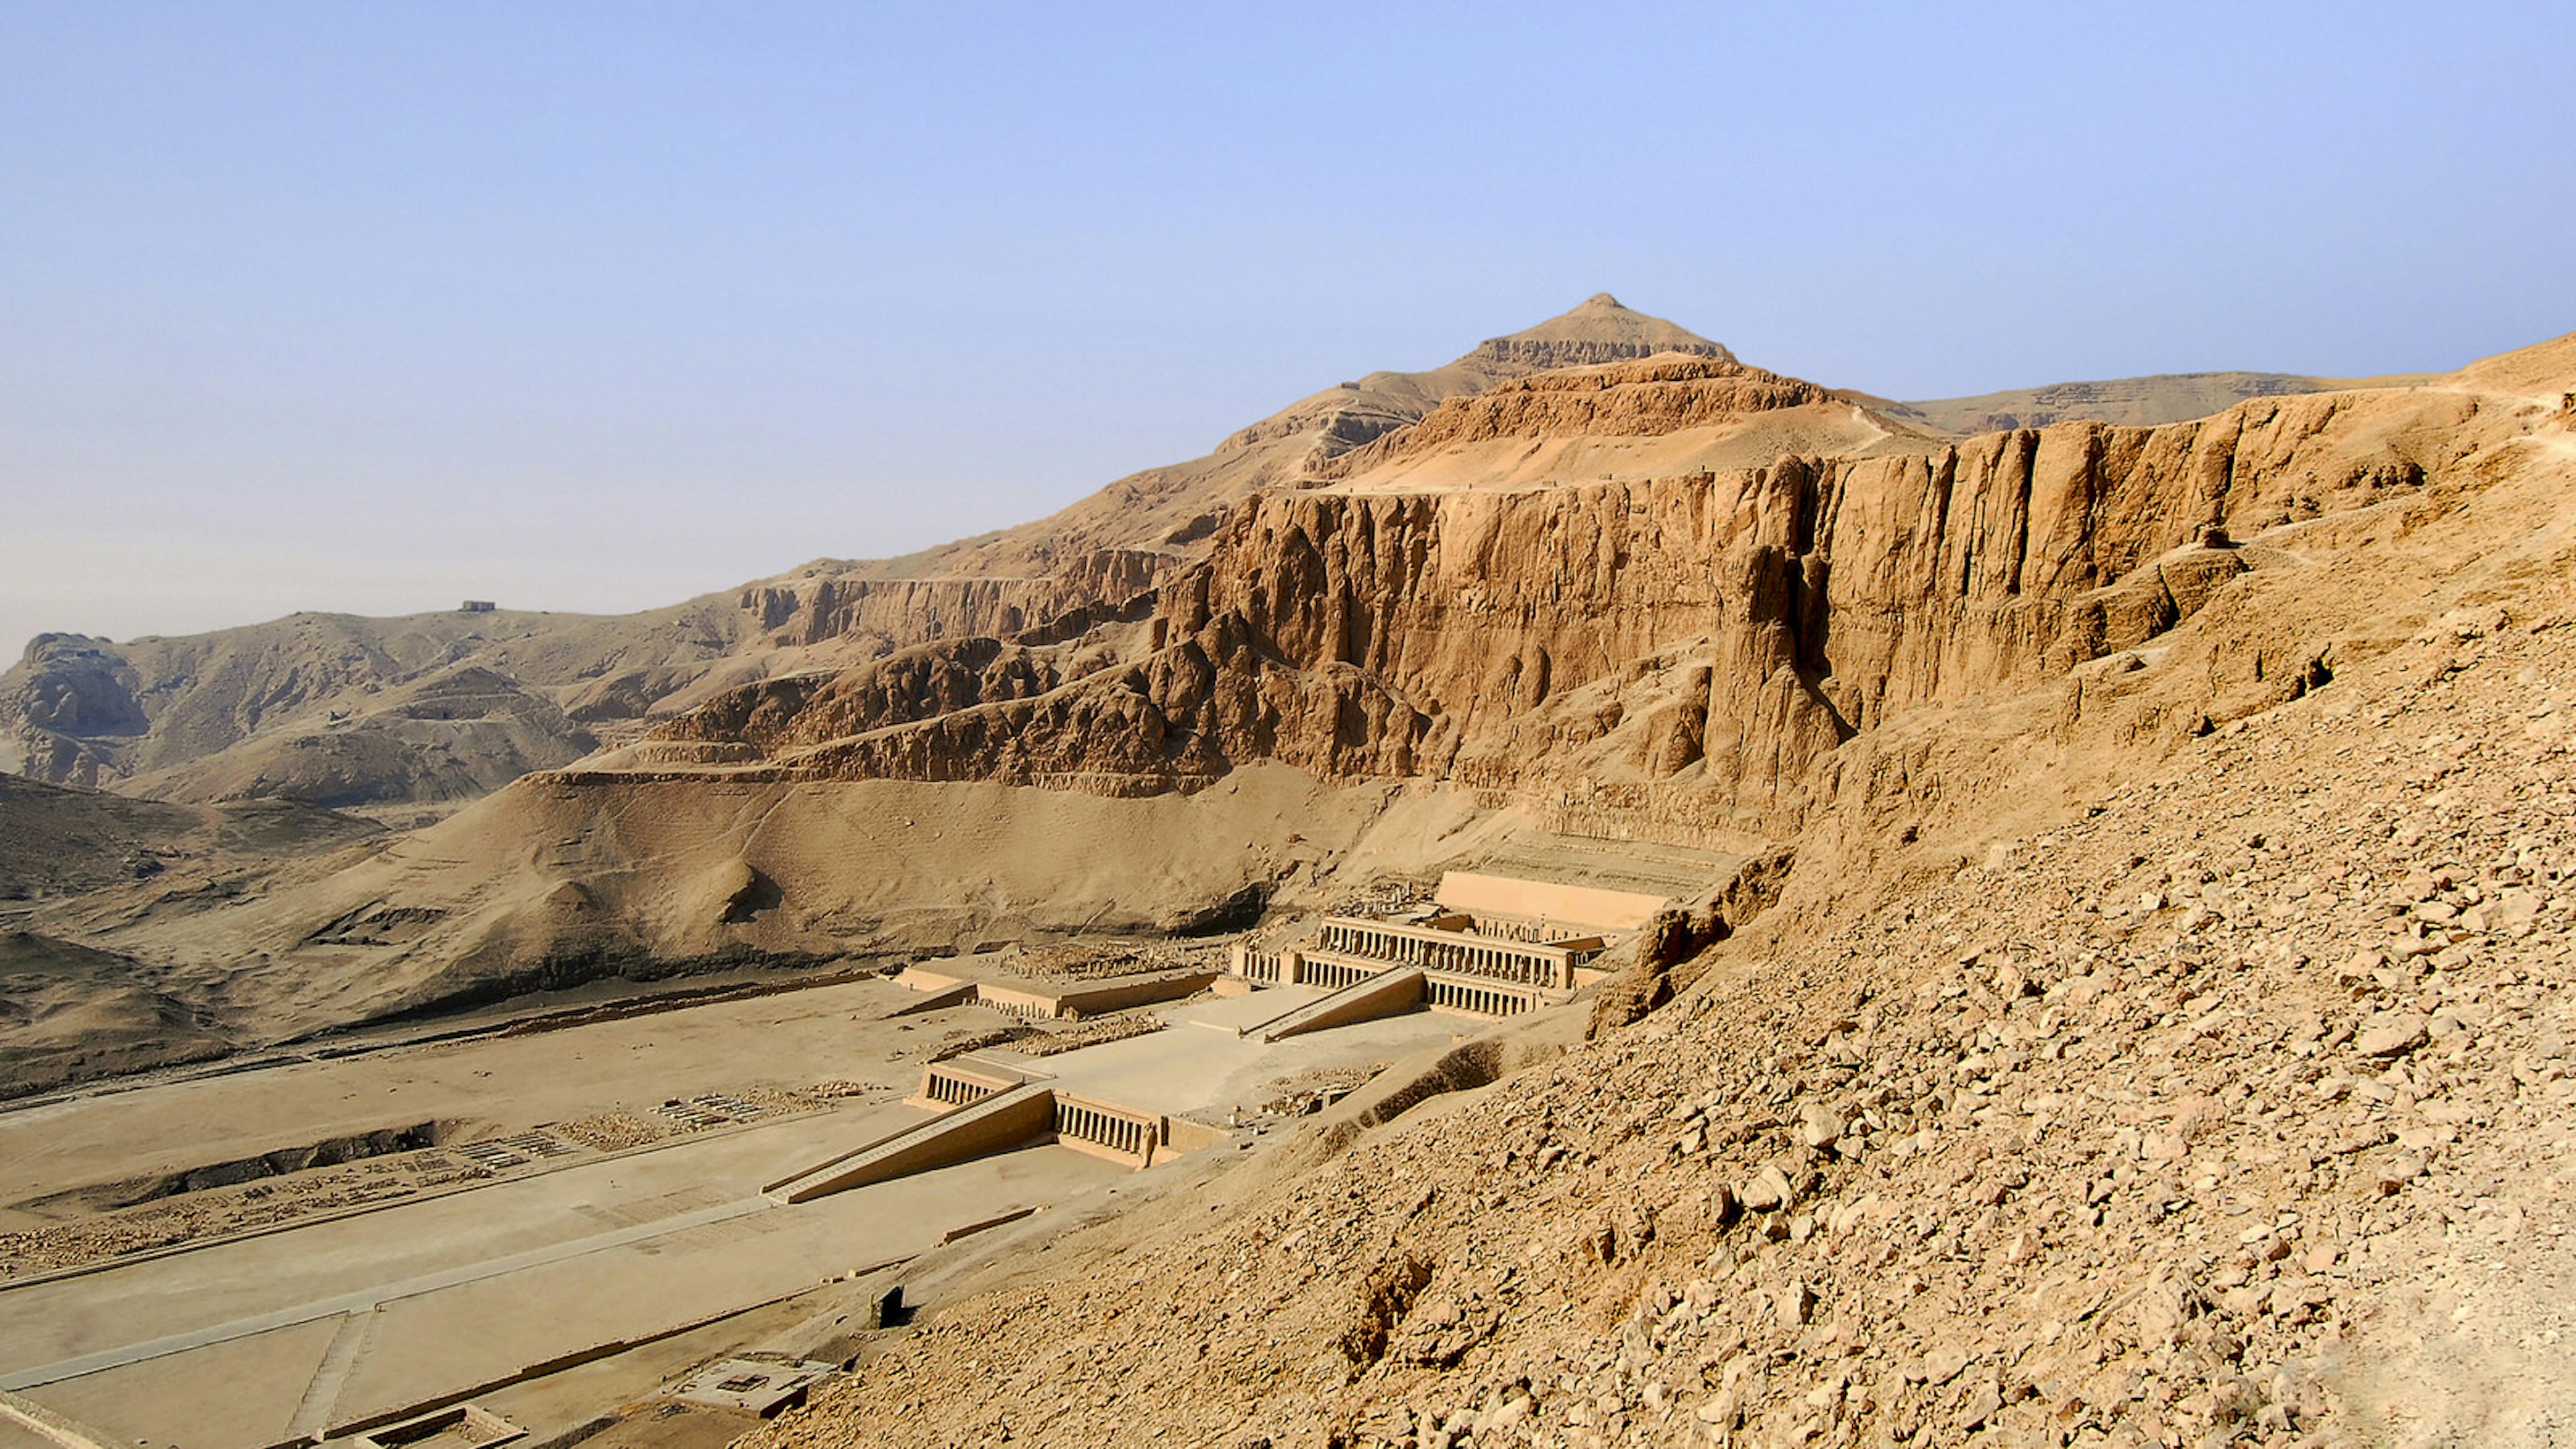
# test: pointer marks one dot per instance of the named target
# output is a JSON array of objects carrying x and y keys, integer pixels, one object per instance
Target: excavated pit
[{"x": 329, "y": 1152}]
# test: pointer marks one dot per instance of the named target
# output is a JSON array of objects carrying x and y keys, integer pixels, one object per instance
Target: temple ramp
[
  {"x": 24, "y": 1421},
  {"x": 1007, "y": 1119},
  {"x": 1236, "y": 1016},
  {"x": 934, "y": 998},
  {"x": 1367, "y": 999}
]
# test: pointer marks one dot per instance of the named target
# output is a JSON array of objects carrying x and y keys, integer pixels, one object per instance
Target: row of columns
[
  {"x": 956, "y": 1091},
  {"x": 1119, "y": 1134},
  {"x": 1333, "y": 973},
  {"x": 1024, "y": 1010},
  {"x": 1477, "y": 999},
  {"x": 1522, "y": 966}
]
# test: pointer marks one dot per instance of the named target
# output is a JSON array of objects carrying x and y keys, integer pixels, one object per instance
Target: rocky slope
[
  {"x": 2211, "y": 1095},
  {"x": 58, "y": 842},
  {"x": 74, "y": 860},
  {"x": 2166, "y": 1048}
]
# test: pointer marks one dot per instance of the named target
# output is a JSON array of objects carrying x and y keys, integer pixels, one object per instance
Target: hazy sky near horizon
[{"x": 596, "y": 307}]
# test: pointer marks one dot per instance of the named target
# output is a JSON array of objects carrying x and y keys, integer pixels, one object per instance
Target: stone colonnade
[
  {"x": 1484, "y": 1001},
  {"x": 955, "y": 1088},
  {"x": 1549, "y": 968},
  {"x": 1325, "y": 971},
  {"x": 1120, "y": 1132}
]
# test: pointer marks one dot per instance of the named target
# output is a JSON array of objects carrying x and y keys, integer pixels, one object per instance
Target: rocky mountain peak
[{"x": 1599, "y": 330}]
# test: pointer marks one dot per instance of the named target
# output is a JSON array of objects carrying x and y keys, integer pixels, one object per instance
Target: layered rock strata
[{"x": 1723, "y": 630}]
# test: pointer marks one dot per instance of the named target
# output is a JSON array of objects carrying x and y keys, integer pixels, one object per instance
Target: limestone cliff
[{"x": 1683, "y": 649}]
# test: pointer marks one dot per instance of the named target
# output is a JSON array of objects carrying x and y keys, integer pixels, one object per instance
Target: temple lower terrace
[
  {"x": 444, "y": 1229},
  {"x": 547, "y": 1221}
]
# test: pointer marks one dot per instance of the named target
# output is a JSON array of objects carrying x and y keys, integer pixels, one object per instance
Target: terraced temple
[{"x": 1487, "y": 945}]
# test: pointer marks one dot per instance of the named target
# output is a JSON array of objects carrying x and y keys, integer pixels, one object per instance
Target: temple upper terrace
[{"x": 1491, "y": 945}]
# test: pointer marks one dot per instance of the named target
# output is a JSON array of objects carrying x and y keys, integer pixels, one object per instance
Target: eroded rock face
[
  {"x": 1714, "y": 634},
  {"x": 1677, "y": 618},
  {"x": 901, "y": 612},
  {"x": 69, "y": 691},
  {"x": 1659, "y": 395}
]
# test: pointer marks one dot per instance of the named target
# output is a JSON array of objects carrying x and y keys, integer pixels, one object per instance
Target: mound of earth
[
  {"x": 58, "y": 841},
  {"x": 550, "y": 884},
  {"x": 69, "y": 1013}
]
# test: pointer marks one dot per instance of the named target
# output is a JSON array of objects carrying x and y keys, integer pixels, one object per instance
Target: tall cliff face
[
  {"x": 879, "y": 615},
  {"x": 1687, "y": 647},
  {"x": 320, "y": 708},
  {"x": 331, "y": 708}
]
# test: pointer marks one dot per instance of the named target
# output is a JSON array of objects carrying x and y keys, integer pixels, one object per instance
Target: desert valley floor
[{"x": 1596, "y": 894}]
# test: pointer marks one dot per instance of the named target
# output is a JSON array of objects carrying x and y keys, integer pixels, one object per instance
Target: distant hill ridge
[
  {"x": 424, "y": 712},
  {"x": 2129, "y": 401}
]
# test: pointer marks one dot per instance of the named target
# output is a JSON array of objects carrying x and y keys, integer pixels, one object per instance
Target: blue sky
[{"x": 596, "y": 307}]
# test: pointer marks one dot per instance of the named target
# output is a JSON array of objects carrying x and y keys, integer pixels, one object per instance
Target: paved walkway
[
  {"x": 386, "y": 1310},
  {"x": 369, "y": 1298}
]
